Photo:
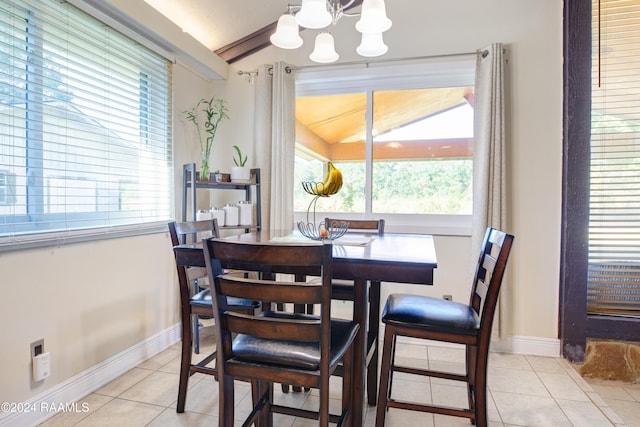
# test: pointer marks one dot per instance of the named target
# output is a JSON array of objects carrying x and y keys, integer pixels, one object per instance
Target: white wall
[{"x": 91, "y": 301}]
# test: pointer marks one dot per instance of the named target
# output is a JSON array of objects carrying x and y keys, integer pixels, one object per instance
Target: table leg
[
  {"x": 360, "y": 304},
  {"x": 372, "y": 342}
]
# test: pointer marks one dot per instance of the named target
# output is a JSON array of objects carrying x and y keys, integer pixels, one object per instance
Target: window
[
  {"x": 402, "y": 137},
  {"x": 85, "y": 125},
  {"x": 614, "y": 207}
]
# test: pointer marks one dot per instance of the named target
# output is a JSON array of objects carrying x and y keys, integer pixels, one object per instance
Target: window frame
[
  {"x": 436, "y": 72},
  {"x": 23, "y": 240},
  {"x": 575, "y": 324}
]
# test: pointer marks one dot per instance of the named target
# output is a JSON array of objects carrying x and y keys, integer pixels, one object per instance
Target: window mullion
[{"x": 369, "y": 153}]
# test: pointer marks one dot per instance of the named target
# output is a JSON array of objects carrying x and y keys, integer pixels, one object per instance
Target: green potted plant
[
  {"x": 239, "y": 172},
  {"x": 207, "y": 114}
]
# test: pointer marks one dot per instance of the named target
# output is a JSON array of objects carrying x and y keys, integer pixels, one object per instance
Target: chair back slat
[
  {"x": 360, "y": 225},
  {"x": 272, "y": 291},
  {"x": 180, "y": 231},
  {"x": 489, "y": 275},
  {"x": 267, "y": 258},
  {"x": 274, "y": 328}
]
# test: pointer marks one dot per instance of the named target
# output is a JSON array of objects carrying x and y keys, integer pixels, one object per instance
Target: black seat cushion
[
  {"x": 291, "y": 354},
  {"x": 203, "y": 299},
  {"x": 430, "y": 313}
]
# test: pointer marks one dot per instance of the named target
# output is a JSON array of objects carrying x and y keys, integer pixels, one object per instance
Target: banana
[
  {"x": 336, "y": 180},
  {"x": 332, "y": 182}
]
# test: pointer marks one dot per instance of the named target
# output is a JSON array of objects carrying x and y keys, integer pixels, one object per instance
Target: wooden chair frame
[
  {"x": 266, "y": 260},
  {"x": 192, "y": 307},
  {"x": 476, "y": 339}
]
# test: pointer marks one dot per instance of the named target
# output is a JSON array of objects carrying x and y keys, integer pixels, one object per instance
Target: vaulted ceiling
[{"x": 231, "y": 29}]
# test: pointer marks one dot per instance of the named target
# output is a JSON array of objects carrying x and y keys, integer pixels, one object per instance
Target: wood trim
[
  {"x": 255, "y": 41},
  {"x": 575, "y": 179},
  {"x": 575, "y": 325},
  {"x": 247, "y": 45}
]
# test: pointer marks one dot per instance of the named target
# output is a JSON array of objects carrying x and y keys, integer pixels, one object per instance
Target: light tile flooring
[{"x": 524, "y": 391}]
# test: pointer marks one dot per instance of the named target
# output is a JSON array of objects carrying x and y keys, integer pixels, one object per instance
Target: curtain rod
[{"x": 368, "y": 62}]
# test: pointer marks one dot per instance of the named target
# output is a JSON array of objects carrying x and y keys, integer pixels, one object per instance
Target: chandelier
[{"x": 319, "y": 14}]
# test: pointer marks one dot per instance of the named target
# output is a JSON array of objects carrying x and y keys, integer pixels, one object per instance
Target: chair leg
[
  {"x": 392, "y": 362},
  {"x": 384, "y": 392},
  {"x": 372, "y": 340},
  {"x": 470, "y": 360},
  {"x": 196, "y": 334},
  {"x": 262, "y": 390},
  {"x": 196, "y": 322},
  {"x": 227, "y": 398},
  {"x": 323, "y": 410},
  {"x": 347, "y": 385},
  {"x": 185, "y": 364},
  {"x": 480, "y": 388}
]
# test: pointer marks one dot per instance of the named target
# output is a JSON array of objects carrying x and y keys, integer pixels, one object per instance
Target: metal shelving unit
[{"x": 191, "y": 185}]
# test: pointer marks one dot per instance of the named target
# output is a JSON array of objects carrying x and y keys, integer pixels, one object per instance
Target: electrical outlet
[
  {"x": 41, "y": 366},
  {"x": 40, "y": 361},
  {"x": 447, "y": 297},
  {"x": 37, "y": 347}
]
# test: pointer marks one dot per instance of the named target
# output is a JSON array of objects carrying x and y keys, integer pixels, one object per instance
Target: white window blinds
[
  {"x": 85, "y": 127},
  {"x": 614, "y": 223}
]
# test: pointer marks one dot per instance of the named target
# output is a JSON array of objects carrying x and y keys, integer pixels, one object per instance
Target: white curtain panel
[
  {"x": 275, "y": 143},
  {"x": 489, "y": 163},
  {"x": 282, "y": 147},
  {"x": 262, "y": 138}
]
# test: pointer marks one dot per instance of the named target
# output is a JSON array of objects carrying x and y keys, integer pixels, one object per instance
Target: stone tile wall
[{"x": 612, "y": 360}]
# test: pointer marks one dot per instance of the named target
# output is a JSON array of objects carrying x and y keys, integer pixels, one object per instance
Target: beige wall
[{"x": 91, "y": 301}]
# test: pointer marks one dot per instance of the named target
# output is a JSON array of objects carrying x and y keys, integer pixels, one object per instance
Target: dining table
[{"x": 364, "y": 259}]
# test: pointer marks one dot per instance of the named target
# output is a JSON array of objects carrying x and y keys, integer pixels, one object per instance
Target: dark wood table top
[{"x": 390, "y": 257}]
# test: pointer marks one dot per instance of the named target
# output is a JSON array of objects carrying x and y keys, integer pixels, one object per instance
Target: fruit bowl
[
  {"x": 320, "y": 188},
  {"x": 331, "y": 185},
  {"x": 322, "y": 231}
]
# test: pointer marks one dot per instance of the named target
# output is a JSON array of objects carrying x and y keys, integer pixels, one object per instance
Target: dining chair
[
  {"x": 275, "y": 346},
  {"x": 195, "y": 302},
  {"x": 197, "y": 280},
  {"x": 342, "y": 290},
  {"x": 436, "y": 319}
]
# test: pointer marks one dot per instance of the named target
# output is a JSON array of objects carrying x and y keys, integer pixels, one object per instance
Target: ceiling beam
[{"x": 255, "y": 41}]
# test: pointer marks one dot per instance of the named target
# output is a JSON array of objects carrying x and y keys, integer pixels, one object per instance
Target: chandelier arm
[{"x": 292, "y": 7}]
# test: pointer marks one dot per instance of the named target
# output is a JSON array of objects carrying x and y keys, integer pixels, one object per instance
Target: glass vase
[{"x": 204, "y": 168}]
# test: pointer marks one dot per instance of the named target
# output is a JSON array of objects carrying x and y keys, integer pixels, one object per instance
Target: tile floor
[{"x": 524, "y": 391}]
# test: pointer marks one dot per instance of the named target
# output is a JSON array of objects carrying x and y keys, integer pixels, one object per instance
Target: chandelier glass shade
[
  {"x": 372, "y": 45},
  {"x": 314, "y": 14},
  {"x": 287, "y": 36},
  {"x": 319, "y": 14},
  {"x": 324, "y": 51}
]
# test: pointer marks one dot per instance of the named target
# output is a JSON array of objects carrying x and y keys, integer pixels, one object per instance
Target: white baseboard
[
  {"x": 86, "y": 382},
  {"x": 532, "y": 346},
  {"x": 514, "y": 344}
]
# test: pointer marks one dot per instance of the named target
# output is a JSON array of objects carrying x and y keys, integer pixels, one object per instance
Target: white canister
[
  {"x": 230, "y": 215},
  {"x": 203, "y": 215},
  {"x": 246, "y": 212},
  {"x": 218, "y": 214}
]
